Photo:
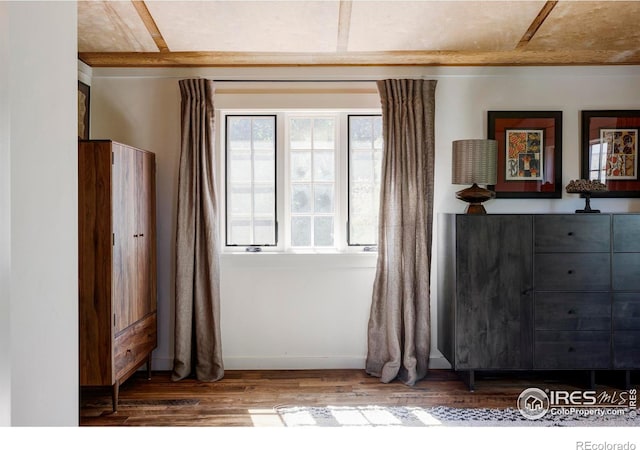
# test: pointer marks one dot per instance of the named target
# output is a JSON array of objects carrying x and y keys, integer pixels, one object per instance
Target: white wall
[
  {"x": 42, "y": 96},
  {"x": 297, "y": 311},
  {"x": 294, "y": 327},
  {"x": 5, "y": 232}
]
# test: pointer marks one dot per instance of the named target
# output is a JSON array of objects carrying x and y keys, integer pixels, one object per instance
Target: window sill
[{"x": 300, "y": 259}]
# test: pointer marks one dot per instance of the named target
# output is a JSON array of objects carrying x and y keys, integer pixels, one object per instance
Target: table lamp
[{"x": 475, "y": 162}]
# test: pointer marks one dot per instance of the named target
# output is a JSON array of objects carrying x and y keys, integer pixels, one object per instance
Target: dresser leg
[
  {"x": 149, "y": 366},
  {"x": 469, "y": 379},
  {"x": 115, "y": 392},
  {"x": 592, "y": 379},
  {"x": 627, "y": 379}
]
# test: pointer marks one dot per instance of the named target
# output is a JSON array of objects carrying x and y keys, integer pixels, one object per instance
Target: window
[
  {"x": 317, "y": 174},
  {"x": 251, "y": 180},
  {"x": 312, "y": 181},
  {"x": 365, "y": 162}
]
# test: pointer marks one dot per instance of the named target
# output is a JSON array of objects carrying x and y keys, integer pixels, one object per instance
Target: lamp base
[{"x": 475, "y": 195}]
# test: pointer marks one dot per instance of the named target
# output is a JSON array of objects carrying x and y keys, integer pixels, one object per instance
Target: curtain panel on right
[{"x": 399, "y": 330}]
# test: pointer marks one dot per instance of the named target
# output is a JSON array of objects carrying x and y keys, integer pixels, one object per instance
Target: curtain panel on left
[{"x": 198, "y": 347}]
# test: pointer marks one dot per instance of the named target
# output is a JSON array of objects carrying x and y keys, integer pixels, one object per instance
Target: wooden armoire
[{"x": 117, "y": 262}]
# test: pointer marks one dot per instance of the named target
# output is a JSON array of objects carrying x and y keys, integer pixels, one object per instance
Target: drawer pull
[
  {"x": 571, "y": 349},
  {"x": 570, "y": 271},
  {"x": 570, "y": 233},
  {"x": 571, "y": 311}
]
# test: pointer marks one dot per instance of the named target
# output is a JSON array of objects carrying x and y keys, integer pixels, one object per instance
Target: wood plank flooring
[{"x": 247, "y": 398}]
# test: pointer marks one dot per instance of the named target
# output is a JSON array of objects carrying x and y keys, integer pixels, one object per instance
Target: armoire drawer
[
  {"x": 572, "y": 233},
  {"x": 572, "y": 272},
  {"x": 573, "y": 311},
  {"x": 134, "y": 344},
  {"x": 626, "y": 311},
  {"x": 572, "y": 349}
]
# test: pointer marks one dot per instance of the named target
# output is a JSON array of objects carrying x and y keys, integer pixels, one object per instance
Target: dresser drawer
[
  {"x": 572, "y": 272},
  {"x": 626, "y": 271},
  {"x": 573, "y": 311},
  {"x": 626, "y": 233},
  {"x": 134, "y": 344},
  {"x": 626, "y": 349},
  {"x": 573, "y": 350},
  {"x": 572, "y": 233},
  {"x": 626, "y": 311}
]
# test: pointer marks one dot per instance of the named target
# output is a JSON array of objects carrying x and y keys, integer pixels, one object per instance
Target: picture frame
[
  {"x": 529, "y": 153},
  {"x": 609, "y": 151},
  {"x": 84, "y": 99}
]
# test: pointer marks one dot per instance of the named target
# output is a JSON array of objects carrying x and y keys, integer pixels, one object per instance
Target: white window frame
[
  {"x": 337, "y": 203},
  {"x": 371, "y": 247},
  {"x": 225, "y": 150},
  {"x": 283, "y": 193}
]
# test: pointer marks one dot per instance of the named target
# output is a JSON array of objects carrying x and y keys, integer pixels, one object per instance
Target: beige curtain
[
  {"x": 198, "y": 350},
  {"x": 399, "y": 323}
]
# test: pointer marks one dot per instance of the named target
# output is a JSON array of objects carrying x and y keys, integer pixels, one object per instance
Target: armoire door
[
  {"x": 124, "y": 230},
  {"x": 145, "y": 301}
]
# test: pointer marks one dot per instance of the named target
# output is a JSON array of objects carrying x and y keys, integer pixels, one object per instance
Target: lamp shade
[{"x": 474, "y": 161}]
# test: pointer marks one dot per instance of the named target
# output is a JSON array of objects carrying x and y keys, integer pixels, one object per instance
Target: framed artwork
[
  {"x": 529, "y": 153},
  {"x": 609, "y": 152},
  {"x": 83, "y": 110}
]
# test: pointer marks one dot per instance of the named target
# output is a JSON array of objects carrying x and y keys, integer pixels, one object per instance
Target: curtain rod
[{"x": 295, "y": 81}]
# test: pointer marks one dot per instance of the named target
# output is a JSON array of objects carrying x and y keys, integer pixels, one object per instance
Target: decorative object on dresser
[
  {"x": 474, "y": 161},
  {"x": 529, "y": 153},
  {"x": 610, "y": 151},
  {"x": 117, "y": 262},
  {"x": 540, "y": 292},
  {"x": 586, "y": 188}
]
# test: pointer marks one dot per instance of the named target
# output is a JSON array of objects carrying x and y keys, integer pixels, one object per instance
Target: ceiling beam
[
  {"x": 150, "y": 23},
  {"x": 537, "y": 22},
  {"x": 386, "y": 58},
  {"x": 344, "y": 25}
]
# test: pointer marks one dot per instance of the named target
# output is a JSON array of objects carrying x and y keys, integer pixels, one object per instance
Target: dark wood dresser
[{"x": 539, "y": 292}]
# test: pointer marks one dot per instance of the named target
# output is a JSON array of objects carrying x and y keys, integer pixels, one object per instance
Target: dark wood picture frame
[
  {"x": 84, "y": 101},
  {"x": 617, "y": 165},
  {"x": 540, "y": 180}
]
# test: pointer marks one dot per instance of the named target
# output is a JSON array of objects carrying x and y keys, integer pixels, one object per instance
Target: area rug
[{"x": 440, "y": 416}]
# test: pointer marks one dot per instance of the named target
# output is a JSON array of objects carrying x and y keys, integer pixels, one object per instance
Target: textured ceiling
[{"x": 357, "y": 32}]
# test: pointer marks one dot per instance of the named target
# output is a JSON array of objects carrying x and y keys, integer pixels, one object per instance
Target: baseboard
[
  {"x": 295, "y": 363},
  {"x": 162, "y": 364},
  {"x": 439, "y": 362}
]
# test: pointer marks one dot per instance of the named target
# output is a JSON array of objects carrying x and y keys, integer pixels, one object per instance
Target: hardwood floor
[{"x": 247, "y": 398}]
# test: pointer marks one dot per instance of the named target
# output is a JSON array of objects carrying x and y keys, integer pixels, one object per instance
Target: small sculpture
[{"x": 586, "y": 188}]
